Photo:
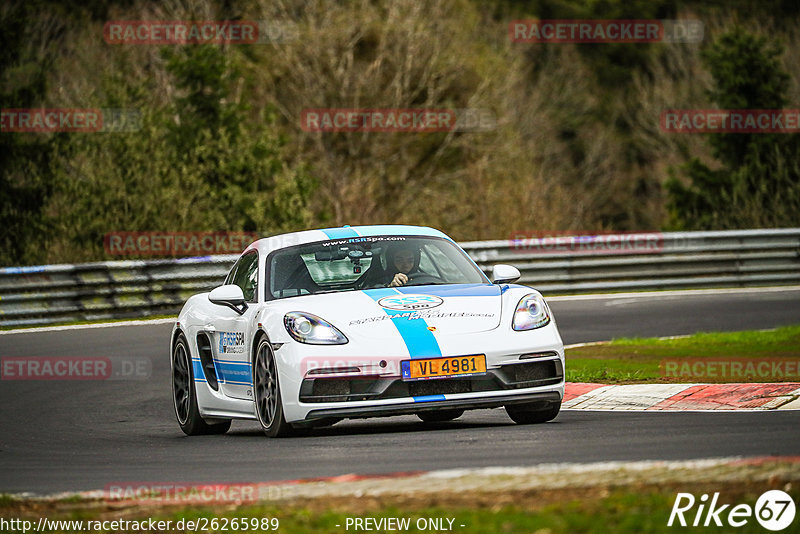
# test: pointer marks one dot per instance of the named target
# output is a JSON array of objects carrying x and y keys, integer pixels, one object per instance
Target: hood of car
[{"x": 376, "y": 313}]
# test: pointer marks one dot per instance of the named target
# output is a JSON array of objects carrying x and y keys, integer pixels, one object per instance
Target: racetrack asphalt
[{"x": 70, "y": 436}]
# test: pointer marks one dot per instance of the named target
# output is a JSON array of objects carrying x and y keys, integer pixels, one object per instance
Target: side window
[
  {"x": 232, "y": 272},
  {"x": 251, "y": 280},
  {"x": 245, "y": 275}
]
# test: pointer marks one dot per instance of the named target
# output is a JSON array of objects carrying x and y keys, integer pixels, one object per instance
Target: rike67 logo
[{"x": 774, "y": 510}]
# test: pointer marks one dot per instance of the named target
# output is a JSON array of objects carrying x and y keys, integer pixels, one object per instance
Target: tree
[
  {"x": 236, "y": 157},
  {"x": 757, "y": 183},
  {"x": 25, "y": 58},
  {"x": 202, "y": 160}
]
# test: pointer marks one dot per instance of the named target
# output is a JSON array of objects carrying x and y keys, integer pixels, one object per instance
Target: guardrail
[{"x": 127, "y": 289}]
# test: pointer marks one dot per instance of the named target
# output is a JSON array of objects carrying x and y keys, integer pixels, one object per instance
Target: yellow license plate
[{"x": 443, "y": 367}]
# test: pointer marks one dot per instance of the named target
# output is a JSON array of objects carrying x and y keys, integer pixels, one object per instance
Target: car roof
[{"x": 268, "y": 244}]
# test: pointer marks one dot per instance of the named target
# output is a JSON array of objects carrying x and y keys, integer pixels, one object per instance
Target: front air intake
[{"x": 207, "y": 360}]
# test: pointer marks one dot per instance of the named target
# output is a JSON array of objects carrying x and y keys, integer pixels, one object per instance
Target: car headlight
[
  {"x": 531, "y": 313},
  {"x": 308, "y": 328}
]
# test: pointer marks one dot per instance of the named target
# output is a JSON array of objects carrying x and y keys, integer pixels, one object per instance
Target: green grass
[
  {"x": 619, "y": 511},
  {"x": 640, "y": 359}
]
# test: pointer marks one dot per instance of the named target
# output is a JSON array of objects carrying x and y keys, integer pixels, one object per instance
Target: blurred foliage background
[{"x": 577, "y": 145}]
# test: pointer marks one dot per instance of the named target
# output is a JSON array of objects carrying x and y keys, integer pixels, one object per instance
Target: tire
[
  {"x": 522, "y": 414},
  {"x": 439, "y": 416},
  {"x": 267, "y": 392},
  {"x": 184, "y": 395}
]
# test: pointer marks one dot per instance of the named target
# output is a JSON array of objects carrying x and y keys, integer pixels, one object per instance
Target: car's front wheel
[
  {"x": 527, "y": 414},
  {"x": 266, "y": 385},
  {"x": 184, "y": 395}
]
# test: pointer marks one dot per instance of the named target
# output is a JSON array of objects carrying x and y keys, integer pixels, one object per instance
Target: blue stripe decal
[
  {"x": 429, "y": 398},
  {"x": 419, "y": 341},
  {"x": 340, "y": 233},
  {"x": 454, "y": 290},
  {"x": 197, "y": 369},
  {"x": 233, "y": 362},
  {"x": 233, "y": 373}
]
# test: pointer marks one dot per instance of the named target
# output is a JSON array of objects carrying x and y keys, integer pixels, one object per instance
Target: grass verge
[
  {"x": 620, "y": 510},
  {"x": 634, "y": 360},
  {"x": 602, "y": 497}
]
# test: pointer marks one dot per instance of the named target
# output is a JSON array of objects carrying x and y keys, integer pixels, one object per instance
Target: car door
[{"x": 232, "y": 332}]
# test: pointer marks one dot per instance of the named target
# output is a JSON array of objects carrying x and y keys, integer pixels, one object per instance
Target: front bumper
[
  {"x": 546, "y": 398},
  {"x": 378, "y": 391},
  {"x": 545, "y": 370}
]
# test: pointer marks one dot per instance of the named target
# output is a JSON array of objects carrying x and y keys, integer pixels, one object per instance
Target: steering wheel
[
  {"x": 419, "y": 279},
  {"x": 369, "y": 285}
]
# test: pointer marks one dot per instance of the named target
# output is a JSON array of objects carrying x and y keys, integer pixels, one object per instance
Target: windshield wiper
[{"x": 332, "y": 291}]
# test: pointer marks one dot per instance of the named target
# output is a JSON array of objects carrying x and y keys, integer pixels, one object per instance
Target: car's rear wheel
[
  {"x": 266, "y": 385},
  {"x": 437, "y": 416},
  {"x": 184, "y": 395},
  {"x": 527, "y": 414}
]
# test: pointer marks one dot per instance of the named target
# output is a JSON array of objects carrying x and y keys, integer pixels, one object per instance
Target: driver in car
[{"x": 404, "y": 261}]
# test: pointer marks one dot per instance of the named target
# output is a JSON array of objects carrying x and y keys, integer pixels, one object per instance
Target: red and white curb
[
  {"x": 682, "y": 397},
  {"x": 763, "y": 469}
]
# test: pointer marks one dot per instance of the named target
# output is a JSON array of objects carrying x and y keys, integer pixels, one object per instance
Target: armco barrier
[{"x": 124, "y": 289}]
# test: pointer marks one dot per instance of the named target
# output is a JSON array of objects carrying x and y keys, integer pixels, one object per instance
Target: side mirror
[
  {"x": 504, "y": 274},
  {"x": 229, "y": 295}
]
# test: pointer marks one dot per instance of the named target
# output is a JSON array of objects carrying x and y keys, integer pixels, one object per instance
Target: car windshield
[{"x": 366, "y": 263}]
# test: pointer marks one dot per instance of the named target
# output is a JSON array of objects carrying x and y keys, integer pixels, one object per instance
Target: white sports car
[{"x": 313, "y": 327}]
